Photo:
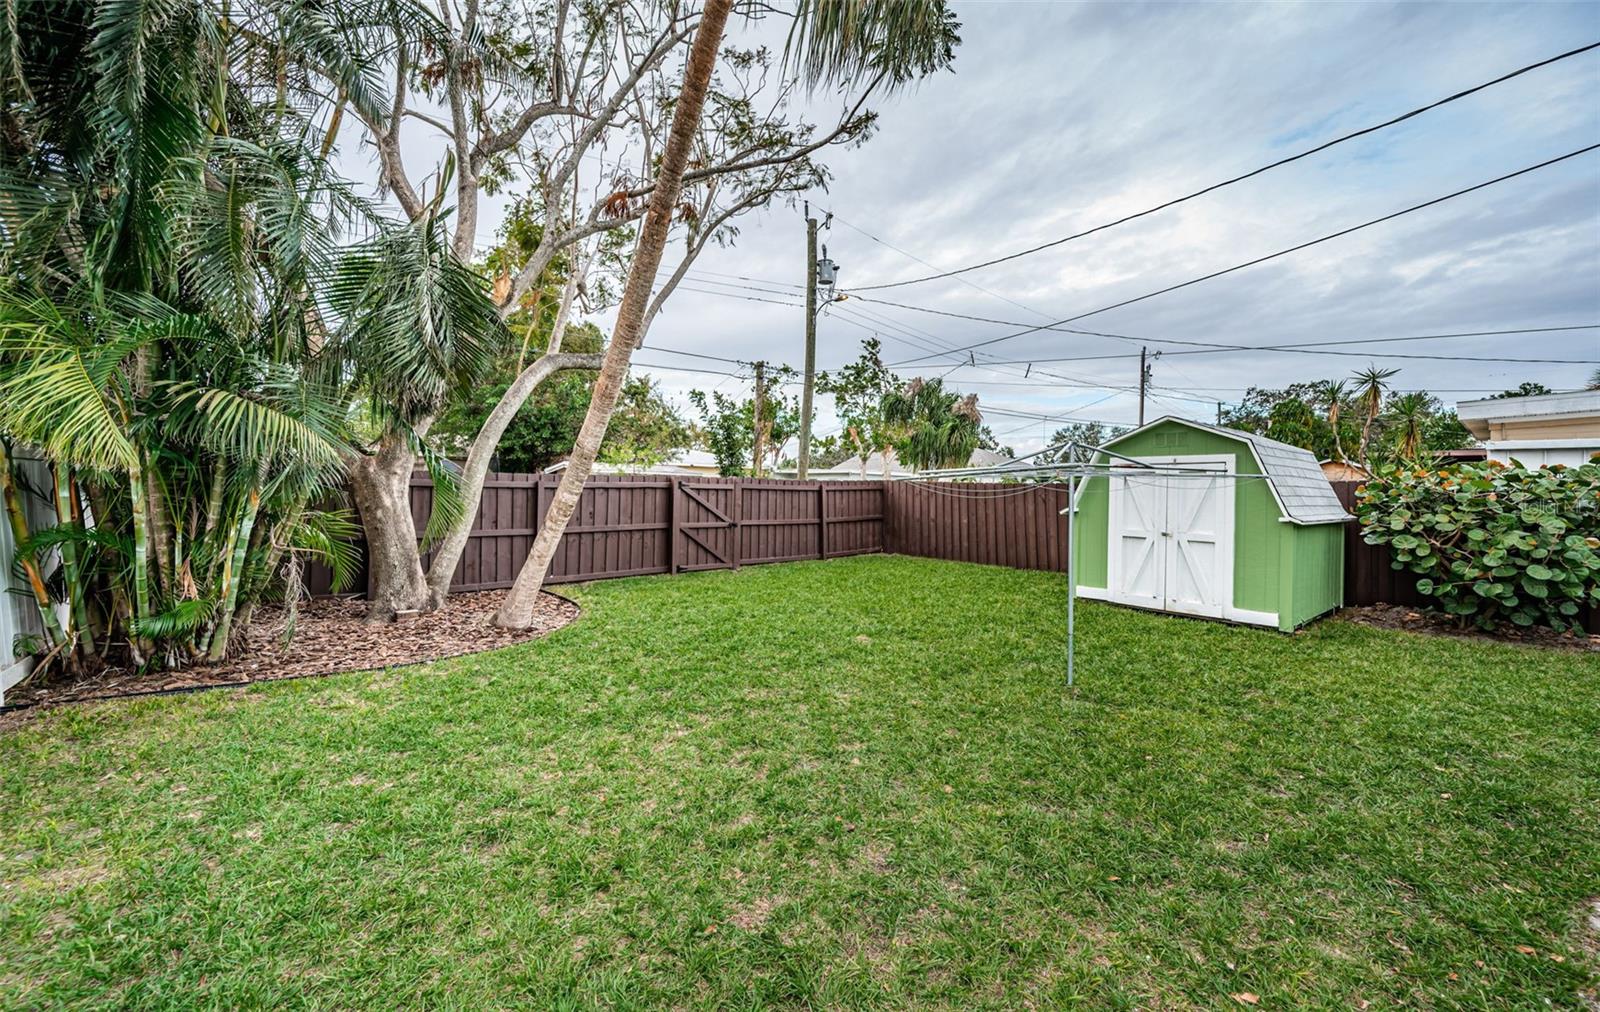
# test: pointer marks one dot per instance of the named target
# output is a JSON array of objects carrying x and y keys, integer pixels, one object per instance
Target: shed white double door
[{"x": 1171, "y": 537}]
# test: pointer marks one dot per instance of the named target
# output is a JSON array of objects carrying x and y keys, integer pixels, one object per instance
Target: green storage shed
[{"x": 1255, "y": 536}]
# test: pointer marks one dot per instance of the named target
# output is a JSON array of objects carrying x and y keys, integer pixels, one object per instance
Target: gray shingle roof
[{"x": 1293, "y": 474}]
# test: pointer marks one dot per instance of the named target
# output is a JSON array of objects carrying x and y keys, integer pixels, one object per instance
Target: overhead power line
[
  {"x": 884, "y": 327},
  {"x": 1213, "y": 347},
  {"x": 1236, "y": 179},
  {"x": 1270, "y": 256},
  {"x": 1230, "y": 347}
]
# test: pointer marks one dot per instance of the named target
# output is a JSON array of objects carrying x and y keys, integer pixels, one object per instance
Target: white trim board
[
  {"x": 14, "y": 674},
  {"x": 1240, "y": 616}
]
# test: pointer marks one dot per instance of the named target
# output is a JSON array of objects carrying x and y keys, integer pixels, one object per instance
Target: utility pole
[
  {"x": 761, "y": 396},
  {"x": 1219, "y": 412},
  {"x": 1144, "y": 381},
  {"x": 1146, "y": 364},
  {"x": 811, "y": 344}
]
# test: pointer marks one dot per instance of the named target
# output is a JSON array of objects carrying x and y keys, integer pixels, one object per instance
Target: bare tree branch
[
  {"x": 387, "y": 140},
  {"x": 742, "y": 162}
]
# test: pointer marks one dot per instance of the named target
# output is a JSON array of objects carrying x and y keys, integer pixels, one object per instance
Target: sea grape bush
[{"x": 1493, "y": 542}]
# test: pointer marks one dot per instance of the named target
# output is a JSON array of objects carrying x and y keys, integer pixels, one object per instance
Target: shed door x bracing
[{"x": 1172, "y": 537}]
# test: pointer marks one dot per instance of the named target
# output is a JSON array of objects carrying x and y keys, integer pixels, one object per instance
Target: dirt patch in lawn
[
  {"x": 332, "y": 636},
  {"x": 1394, "y": 616}
]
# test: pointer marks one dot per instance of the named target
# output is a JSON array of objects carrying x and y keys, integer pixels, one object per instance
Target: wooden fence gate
[{"x": 705, "y": 525}]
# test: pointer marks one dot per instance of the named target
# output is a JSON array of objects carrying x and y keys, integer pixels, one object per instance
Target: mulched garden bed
[
  {"x": 332, "y": 636},
  {"x": 1394, "y": 616}
]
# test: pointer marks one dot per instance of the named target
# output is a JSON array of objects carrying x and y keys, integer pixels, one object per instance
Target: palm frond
[
  {"x": 330, "y": 536},
  {"x": 843, "y": 41},
  {"x": 449, "y": 505},
  {"x": 248, "y": 430},
  {"x": 55, "y": 387},
  {"x": 180, "y": 619}
]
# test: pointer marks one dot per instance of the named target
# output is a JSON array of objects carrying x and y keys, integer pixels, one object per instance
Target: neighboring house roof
[
  {"x": 1343, "y": 470},
  {"x": 1479, "y": 415},
  {"x": 1468, "y": 453},
  {"x": 1293, "y": 474},
  {"x": 850, "y": 467},
  {"x": 987, "y": 458},
  {"x": 682, "y": 462}
]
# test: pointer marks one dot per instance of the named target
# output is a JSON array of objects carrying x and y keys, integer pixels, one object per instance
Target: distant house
[
  {"x": 1559, "y": 428},
  {"x": 852, "y": 469},
  {"x": 683, "y": 462}
]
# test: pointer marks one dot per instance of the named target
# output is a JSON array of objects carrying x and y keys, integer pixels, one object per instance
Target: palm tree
[
  {"x": 182, "y": 330},
  {"x": 938, "y": 427},
  {"x": 1333, "y": 393},
  {"x": 1410, "y": 413},
  {"x": 1371, "y": 383},
  {"x": 831, "y": 39}
]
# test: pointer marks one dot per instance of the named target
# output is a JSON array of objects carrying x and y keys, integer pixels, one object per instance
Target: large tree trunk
[
  {"x": 381, "y": 484},
  {"x": 448, "y": 552},
  {"x": 517, "y": 611}
]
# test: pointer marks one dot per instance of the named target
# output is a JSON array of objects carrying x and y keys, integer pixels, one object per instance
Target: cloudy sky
[{"x": 1058, "y": 118}]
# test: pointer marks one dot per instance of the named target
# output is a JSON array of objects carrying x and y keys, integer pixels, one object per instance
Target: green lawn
[{"x": 852, "y": 783}]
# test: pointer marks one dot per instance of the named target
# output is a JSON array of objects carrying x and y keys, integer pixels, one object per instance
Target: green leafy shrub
[{"x": 1492, "y": 542}]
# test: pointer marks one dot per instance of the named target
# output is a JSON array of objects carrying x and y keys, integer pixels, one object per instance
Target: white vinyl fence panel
[{"x": 19, "y": 616}]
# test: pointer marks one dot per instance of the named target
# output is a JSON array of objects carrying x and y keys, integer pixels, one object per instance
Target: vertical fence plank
[
  {"x": 674, "y": 525},
  {"x": 736, "y": 515},
  {"x": 822, "y": 520}
]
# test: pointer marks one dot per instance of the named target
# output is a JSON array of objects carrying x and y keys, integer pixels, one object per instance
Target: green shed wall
[
  {"x": 1315, "y": 581},
  {"x": 1292, "y": 571}
]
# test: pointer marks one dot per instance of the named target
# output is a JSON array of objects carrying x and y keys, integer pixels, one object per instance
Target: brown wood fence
[
  {"x": 1369, "y": 576},
  {"x": 1001, "y": 525},
  {"x": 634, "y": 525}
]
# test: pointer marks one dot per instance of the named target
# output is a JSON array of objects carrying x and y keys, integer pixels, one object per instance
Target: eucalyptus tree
[
  {"x": 571, "y": 104},
  {"x": 832, "y": 41}
]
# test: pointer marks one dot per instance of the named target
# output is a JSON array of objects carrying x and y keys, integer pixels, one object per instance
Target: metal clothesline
[{"x": 1073, "y": 471}]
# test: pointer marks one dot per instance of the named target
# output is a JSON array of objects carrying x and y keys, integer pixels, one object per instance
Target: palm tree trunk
[
  {"x": 69, "y": 563},
  {"x": 517, "y": 611},
  {"x": 158, "y": 520},
  {"x": 141, "y": 557},
  {"x": 233, "y": 575}
]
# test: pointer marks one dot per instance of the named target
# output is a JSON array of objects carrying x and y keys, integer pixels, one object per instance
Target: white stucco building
[{"x": 1559, "y": 428}]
